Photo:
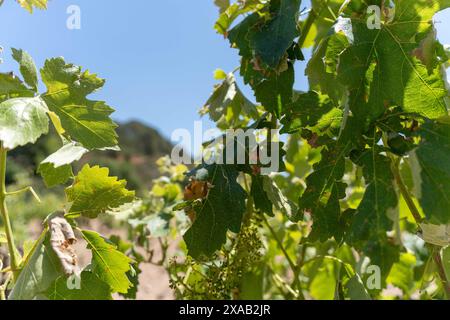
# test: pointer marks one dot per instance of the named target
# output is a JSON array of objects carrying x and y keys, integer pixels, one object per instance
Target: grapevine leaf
[
  {"x": 56, "y": 169},
  {"x": 226, "y": 18},
  {"x": 221, "y": 211},
  {"x": 91, "y": 288},
  {"x": 12, "y": 87},
  {"x": 324, "y": 191},
  {"x": 40, "y": 269},
  {"x": 431, "y": 167},
  {"x": 438, "y": 235},
  {"x": 135, "y": 271},
  {"x": 133, "y": 276},
  {"x": 27, "y": 67},
  {"x": 229, "y": 13},
  {"x": 238, "y": 36},
  {"x": 402, "y": 273},
  {"x": 68, "y": 154},
  {"x": 373, "y": 219},
  {"x": 325, "y": 13},
  {"x": 328, "y": 222},
  {"x": 272, "y": 40},
  {"x": 29, "y": 5},
  {"x": 22, "y": 121},
  {"x": 383, "y": 59},
  {"x": 84, "y": 120},
  {"x": 94, "y": 192},
  {"x": 324, "y": 279},
  {"x": 356, "y": 290},
  {"x": 228, "y": 105},
  {"x": 321, "y": 68},
  {"x": 252, "y": 283},
  {"x": 312, "y": 111},
  {"x": 108, "y": 264},
  {"x": 326, "y": 176},
  {"x": 259, "y": 195},
  {"x": 274, "y": 89},
  {"x": 222, "y": 4},
  {"x": 275, "y": 92},
  {"x": 54, "y": 176},
  {"x": 279, "y": 201}
]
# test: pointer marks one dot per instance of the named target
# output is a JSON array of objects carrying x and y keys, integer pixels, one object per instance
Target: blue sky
[{"x": 158, "y": 56}]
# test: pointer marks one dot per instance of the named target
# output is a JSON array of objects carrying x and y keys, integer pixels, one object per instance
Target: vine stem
[
  {"x": 441, "y": 270},
  {"x": 295, "y": 269},
  {"x": 312, "y": 16},
  {"x": 436, "y": 250},
  {"x": 13, "y": 253},
  {"x": 405, "y": 193},
  {"x": 418, "y": 218},
  {"x": 280, "y": 244}
]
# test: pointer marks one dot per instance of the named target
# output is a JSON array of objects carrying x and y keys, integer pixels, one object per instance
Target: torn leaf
[
  {"x": 62, "y": 238},
  {"x": 438, "y": 235}
]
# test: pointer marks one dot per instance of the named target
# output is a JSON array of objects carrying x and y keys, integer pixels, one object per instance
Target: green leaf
[
  {"x": 29, "y": 5},
  {"x": 69, "y": 153},
  {"x": 325, "y": 178},
  {"x": 27, "y": 67},
  {"x": 252, "y": 283},
  {"x": 238, "y": 36},
  {"x": 22, "y": 121},
  {"x": 259, "y": 195},
  {"x": 227, "y": 17},
  {"x": 91, "y": 288},
  {"x": 279, "y": 201},
  {"x": 272, "y": 89},
  {"x": 328, "y": 221},
  {"x": 12, "y": 87},
  {"x": 133, "y": 276},
  {"x": 54, "y": 176},
  {"x": 3, "y": 238},
  {"x": 229, "y": 13},
  {"x": 438, "y": 235},
  {"x": 431, "y": 170},
  {"x": 56, "y": 168},
  {"x": 275, "y": 92},
  {"x": 381, "y": 69},
  {"x": 222, "y": 4},
  {"x": 324, "y": 283},
  {"x": 332, "y": 278},
  {"x": 325, "y": 17},
  {"x": 108, "y": 264},
  {"x": 272, "y": 39},
  {"x": 40, "y": 269},
  {"x": 402, "y": 273},
  {"x": 356, "y": 290},
  {"x": 86, "y": 121},
  {"x": 221, "y": 211},
  {"x": 373, "y": 218},
  {"x": 228, "y": 105},
  {"x": 315, "y": 112},
  {"x": 94, "y": 192},
  {"x": 321, "y": 68}
]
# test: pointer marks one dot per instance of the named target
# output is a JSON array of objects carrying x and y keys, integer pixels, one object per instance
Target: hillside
[{"x": 141, "y": 146}]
